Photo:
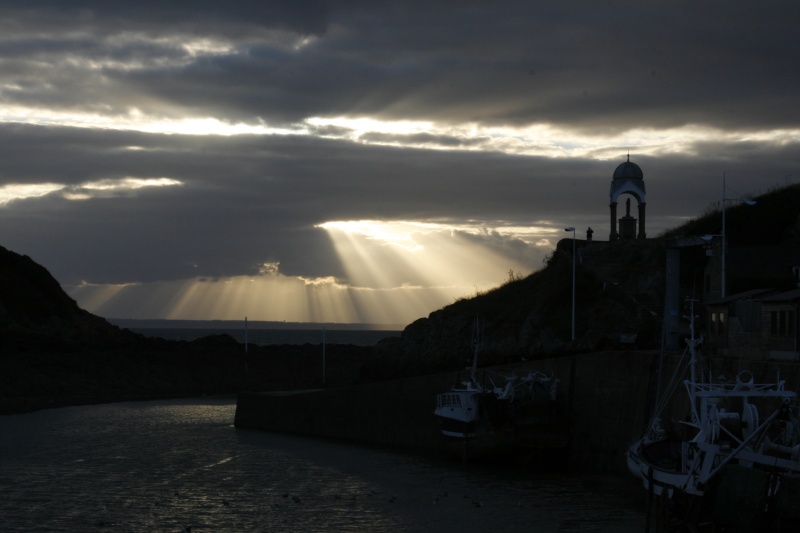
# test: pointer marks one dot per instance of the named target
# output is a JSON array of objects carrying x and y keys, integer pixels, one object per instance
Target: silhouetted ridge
[
  {"x": 774, "y": 219},
  {"x": 29, "y": 295},
  {"x": 35, "y": 310}
]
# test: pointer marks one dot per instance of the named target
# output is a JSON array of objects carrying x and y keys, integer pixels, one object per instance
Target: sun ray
[{"x": 395, "y": 272}]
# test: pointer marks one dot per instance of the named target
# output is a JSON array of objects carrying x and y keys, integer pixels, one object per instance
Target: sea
[
  {"x": 263, "y": 333},
  {"x": 181, "y": 465}
]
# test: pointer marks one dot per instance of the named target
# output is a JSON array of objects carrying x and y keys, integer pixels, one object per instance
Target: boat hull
[
  {"x": 657, "y": 480},
  {"x": 455, "y": 429},
  {"x": 476, "y": 419},
  {"x": 480, "y": 438}
]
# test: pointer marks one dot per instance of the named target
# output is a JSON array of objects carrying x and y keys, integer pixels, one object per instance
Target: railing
[
  {"x": 738, "y": 389},
  {"x": 448, "y": 400}
]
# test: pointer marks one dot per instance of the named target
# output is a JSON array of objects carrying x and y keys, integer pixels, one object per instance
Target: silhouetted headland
[{"x": 53, "y": 353}]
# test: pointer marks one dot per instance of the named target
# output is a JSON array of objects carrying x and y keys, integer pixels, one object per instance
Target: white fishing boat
[
  {"x": 482, "y": 414},
  {"x": 731, "y": 424}
]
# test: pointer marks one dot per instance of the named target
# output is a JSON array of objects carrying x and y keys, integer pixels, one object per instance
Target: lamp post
[
  {"x": 572, "y": 229},
  {"x": 724, "y": 238}
]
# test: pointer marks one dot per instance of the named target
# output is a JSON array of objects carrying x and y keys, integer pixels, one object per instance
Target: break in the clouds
[{"x": 367, "y": 161}]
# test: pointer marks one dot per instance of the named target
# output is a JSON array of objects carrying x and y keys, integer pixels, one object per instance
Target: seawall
[{"x": 605, "y": 394}]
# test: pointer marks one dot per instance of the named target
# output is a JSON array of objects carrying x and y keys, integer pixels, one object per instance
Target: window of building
[
  {"x": 782, "y": 323},
  {"x": 717, "y": 326}
]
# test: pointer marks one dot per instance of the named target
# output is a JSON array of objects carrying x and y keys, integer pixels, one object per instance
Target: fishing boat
[
  {"x": 479, "y": 415},
  {"x": 733, "y": 426}
]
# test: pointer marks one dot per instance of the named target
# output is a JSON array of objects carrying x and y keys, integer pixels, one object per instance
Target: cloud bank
[{"x": 160, "y": 146}]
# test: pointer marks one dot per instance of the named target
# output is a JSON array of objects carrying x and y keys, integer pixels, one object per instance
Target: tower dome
[{"x": 628, "y": 170}]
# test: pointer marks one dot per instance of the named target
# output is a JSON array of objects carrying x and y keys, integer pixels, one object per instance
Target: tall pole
[
  {"x": 724, "y": 243},
  {"x": 572, "y": 229}
]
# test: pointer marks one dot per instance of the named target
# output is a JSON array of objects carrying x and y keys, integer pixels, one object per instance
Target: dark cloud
[
  {"x": 203, "y": 17},
  {"x": 624, "y": 65}
]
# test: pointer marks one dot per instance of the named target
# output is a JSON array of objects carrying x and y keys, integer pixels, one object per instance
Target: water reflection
[{"x": 161, "y": 466}]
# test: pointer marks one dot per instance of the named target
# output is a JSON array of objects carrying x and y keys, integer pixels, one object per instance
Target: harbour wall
[{"x": 605, "y": 395}]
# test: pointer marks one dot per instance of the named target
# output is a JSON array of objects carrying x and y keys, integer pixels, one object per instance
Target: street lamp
[
  {"x": 724, "y": 243},
  {"x": 572, "y": 229}
]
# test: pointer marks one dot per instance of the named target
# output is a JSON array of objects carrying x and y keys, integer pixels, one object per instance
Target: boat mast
[
  {"x": 693, "y": 360},
  {"x": 476, "y": 346},
  {"x": 692, "y": 385}
]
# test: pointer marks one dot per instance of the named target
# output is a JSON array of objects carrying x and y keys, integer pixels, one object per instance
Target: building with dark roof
[{"x": 756, "y": 324}]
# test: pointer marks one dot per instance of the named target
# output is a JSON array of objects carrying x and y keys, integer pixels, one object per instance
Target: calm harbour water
[{"x": 167, "y": 465}]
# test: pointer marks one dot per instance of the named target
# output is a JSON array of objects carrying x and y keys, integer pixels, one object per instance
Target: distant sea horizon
[
  {"x": 260, "y": 332},
  {"x": 251, "y": 324}
]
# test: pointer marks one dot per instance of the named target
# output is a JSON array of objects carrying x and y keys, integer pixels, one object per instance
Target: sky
[{"x": 369, "y": 162}]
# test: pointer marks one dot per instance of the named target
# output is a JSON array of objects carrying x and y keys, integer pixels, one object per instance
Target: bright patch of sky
[
  {"x": 537, "y": 140},
  {"x": 135, "y": 120},
  {"x": 83, "y": 191},
  {"x": 396, "y": 272},
  {"x": 401, "y": 233},
  {"x": 21, "y": 191},
  {"x": 269, "y": 296},
  {"x": 388, "y": 254},
  {"x": 398, "y": 233}
]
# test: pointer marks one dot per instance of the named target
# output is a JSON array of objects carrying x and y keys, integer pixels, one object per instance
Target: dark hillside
[
  {"x": 773, "y": 220},
  {"x": 620, "y": 290},
  {"x": 763, "y": 240},
  {"x": 36, "y": 312}
]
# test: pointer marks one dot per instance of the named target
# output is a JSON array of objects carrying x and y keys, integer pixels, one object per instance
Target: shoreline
[{"x": 28, "y": 405}]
